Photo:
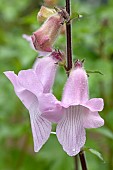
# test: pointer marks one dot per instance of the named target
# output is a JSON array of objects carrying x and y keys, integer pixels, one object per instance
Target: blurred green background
[{"x": 92, "y": 40}]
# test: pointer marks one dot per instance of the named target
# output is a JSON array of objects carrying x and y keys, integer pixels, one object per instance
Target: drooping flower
[
  {"x": 29, "y": 86},
  {"x": 44, "y": 38},
  {"x": 78, "y": 111},
  {"x": 45, "y": 13}
]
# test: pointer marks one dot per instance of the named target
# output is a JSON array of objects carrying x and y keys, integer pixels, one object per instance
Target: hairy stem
[
  {"x": 69, "y": 41},
  {"x": 83, "y": 160}
]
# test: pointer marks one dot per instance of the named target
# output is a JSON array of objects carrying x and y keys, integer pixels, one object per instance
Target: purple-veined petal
[
  {"x": 29, "y": 80},
  {"x": 50, "y": 107},
  {"x": 24, "y": 95},
  {"x": 70, "y": 130},
  {"x": 41, "y": 127},
  {"x": 95, "y": 104},
  {"x": 92, "y": 119},
  {"x": 46, "y": 71},
  {"x": 76, "y": 88}
]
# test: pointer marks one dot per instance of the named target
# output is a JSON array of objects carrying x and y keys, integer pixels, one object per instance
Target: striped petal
[
  {"x": 70, "y": 131},
  {"x": 41, "y": 127}
]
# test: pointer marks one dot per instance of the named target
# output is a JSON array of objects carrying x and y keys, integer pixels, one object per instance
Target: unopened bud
[
  {"x": 44, "y": 38},
  {"x": 59, "y": 56},
  {"x": 78, "y": 63},
  {"x": 50, "y": 2},
  {"x": 45, "y": 13}
]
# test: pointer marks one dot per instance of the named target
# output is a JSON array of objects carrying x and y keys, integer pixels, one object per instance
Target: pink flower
[
  {"x": 78, "y": 111},
  {"x": 29, "y": 86},
  {"x": 44, "y": 38}
]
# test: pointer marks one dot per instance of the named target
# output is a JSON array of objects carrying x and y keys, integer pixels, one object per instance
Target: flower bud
[
  {"x": 79, "y": 64},
  {"x": 45, "y": 13},
  {"x": 59, "y": 56},
  {"x": 45, "y": 36},
  {"x": 51, "y": 2}
]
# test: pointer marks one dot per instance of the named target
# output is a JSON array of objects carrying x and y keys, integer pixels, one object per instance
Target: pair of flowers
[{"x": 73, "y": 113}]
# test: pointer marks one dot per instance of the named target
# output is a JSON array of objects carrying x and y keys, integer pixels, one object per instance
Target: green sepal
[{"x": 95, "y": 152}]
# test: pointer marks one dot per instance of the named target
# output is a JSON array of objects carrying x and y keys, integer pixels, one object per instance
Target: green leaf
[
  {"x": 95, "y": 152},
  {"x": 75, "y": 15},
  {"x": 95, "y": 71}
]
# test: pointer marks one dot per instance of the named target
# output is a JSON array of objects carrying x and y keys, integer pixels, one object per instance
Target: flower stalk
[
  {"x": 69, "y": 66},
  {"x": 69, "y": 40},
  {"x": 83, "y": 160}
]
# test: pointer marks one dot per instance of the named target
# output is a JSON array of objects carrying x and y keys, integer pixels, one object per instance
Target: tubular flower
[
  {"x": 29, "y": 86},
  {"x": 45, "y": 36},
  {"x": 45, "y": 13},
  {"x": 78, "y": 111}
]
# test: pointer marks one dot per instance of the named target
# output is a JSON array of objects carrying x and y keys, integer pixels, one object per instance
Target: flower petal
[
  {"x": 95, "y": 104},
  {"x": 14, "y": 79},
  {"x": 76, "y": 88},
  {"x": 29, "y": 39},
  {"x": 24, "y": 95},
  {"x": 50, "y": 107},
  {"x": 41, "y": 127},
  {"x": 46, "y": 70},
  {"x": 92, "y": 119},
  {"x": 70, "y": 130},
  {"x": 29, "y": 80}
]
